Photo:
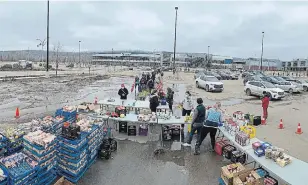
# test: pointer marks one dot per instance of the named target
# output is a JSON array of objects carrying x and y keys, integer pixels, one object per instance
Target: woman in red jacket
[{"x": 265, "y": 103}]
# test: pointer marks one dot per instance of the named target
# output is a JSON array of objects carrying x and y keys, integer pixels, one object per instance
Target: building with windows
[{"x": 295, "y": 65}]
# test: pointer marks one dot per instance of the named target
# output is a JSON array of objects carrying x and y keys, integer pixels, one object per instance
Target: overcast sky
[{"x": 230, "y": 28}]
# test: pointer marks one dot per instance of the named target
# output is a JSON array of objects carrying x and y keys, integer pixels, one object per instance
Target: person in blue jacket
[{"x": 212, "y": 119}]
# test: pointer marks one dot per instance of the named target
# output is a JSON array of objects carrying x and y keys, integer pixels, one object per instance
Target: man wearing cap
[{"x": 123, "y": 92}]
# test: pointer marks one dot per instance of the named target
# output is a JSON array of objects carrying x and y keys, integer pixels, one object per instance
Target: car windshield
[
  {"x": 279, "y": 78},
  {"x": 212, "y": 79},
  {"x": 268, "y": 85}
]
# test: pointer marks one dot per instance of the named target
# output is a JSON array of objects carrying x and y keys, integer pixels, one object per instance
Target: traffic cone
[
  {"x": 263, "y": 121},
  {"x": 299, "y": 129},
  {"x": 17, "y": 113},
  {"x": 281, "y": 125},
  {"x": 95, "y": 101}
]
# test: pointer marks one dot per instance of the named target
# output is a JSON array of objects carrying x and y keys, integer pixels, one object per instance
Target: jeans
[
  {"x": 192, "y": 132},
  {"x": 204, "y": 132},
  {"x": 184, "y": 112}
]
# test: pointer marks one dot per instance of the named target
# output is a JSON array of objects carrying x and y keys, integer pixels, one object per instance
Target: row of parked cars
[
  {"x": 256, "y": 83},
  {"x": 219, "y": 74}
]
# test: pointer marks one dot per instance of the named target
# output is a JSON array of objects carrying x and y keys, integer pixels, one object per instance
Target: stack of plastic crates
[
  {"x": 73, "y": 157},
  {"x": 46, "y": 158},
  {"x": 20, "y": 169},
  {"x": 94, "y": 141},
  {"x": 3, "y": 145},
  {"x": 13, "y": 145}
]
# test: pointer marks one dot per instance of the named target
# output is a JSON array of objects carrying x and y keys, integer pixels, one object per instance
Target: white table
[
  {"x": 117, "y": 102},
  {"x": 131, "y": 118},
  {"x": 294, "y": 173}
]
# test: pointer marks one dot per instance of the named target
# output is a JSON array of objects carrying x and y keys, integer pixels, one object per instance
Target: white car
[
  {"x": 290, "y": 86},
  {"x": 257, "y": 88},
  {"x": 303, "y": 83},
  {"x": 209, "y": 83}
]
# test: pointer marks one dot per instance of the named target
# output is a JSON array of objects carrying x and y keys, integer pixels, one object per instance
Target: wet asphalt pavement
[{"x": 135, "y": 164}]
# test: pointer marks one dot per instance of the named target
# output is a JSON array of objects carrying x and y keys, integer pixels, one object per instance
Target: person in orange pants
[{"x": 265, "y": 103}]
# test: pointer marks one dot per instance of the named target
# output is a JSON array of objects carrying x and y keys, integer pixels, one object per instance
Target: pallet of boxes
[{"x": 237, "y": 174}]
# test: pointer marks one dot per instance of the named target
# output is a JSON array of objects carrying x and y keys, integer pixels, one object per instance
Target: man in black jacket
[
  {"x": 123, "y": 92},
  {"x": 154, "y": 102}
]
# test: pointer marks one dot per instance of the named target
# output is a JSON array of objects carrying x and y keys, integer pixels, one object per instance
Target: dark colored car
[
  {"x": 197, "y": 75},
  {"x": 269, "y": 79},
  {"x": 252, "y": 78},
  {"x": 224, "y": 76},
  {"x": 288, "y": 79},
  {"x": 212, "y": 73},
  {"x": 279, "y": 78}
]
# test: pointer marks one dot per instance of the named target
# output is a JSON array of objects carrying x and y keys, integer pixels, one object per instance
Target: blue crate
[
  {"x": 70, "y": 153},
  {"x": 38, "y": 147},
  {"x": 91, "y": 161},
  {"x": 73, "y": 166},
  {"x": 73, "y": 179},
  {"x": 66, "y": 115},
  {"x": 70, "y": 158},
  {"x": 23, "y": 180},
  {"x": 72, "y": 173},
  {"x": 10, "y": 151},
  {"x": 40, "y": 159},
  {"x": 48, "y": 180},
  {"x": 40, "y": 153}
]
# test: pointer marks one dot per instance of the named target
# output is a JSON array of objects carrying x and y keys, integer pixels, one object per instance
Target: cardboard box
[
  {"x": 240, "y": 177},
  {"x": 227, "y": 176},
  {"x": 63, "y": 181}
]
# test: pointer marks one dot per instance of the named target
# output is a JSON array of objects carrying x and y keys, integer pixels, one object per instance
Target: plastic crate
[
  {"x": 48, "y": 181},
  {"x": 42, "y": 158},
  {"x": 66, "y": 115},
  {"x": 72, "y": 178},
  {"x": 70, "y": 158},
  {"x": 39, "y": 153},
  {"x": 73, "y": 144},
  {"x": 73, "y": 166},
  {"x": 70, "y": 153},
  {"x": 10, "y": 151},
  {"x": 72, "y": 173},
  {"x": 91, "y": 161}
]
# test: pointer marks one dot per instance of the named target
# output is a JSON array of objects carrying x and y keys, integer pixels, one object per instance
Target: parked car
[
  {"x": 212, "y": 73},
  {"x": 269, "y": 79},
  {"x": 303, "y": 83},
  {"x": 257, "y": 88},
  {"x": 290, "y": 86},
  {"x": 234, "y": 76},
  {"x": 279, "y": 78},
  {"x": 251, "y": 78},
  {"x": 197, "y": 75},
  {"x": 288, "y": 79},
  {"x": 224, "y": 75},
  {"x": 209, "y": 83}
]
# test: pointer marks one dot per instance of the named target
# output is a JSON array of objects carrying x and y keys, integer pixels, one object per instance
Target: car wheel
[
  {"x": 197, "y": 84},
  {"x": 248, "y": 92},
  {"x": 207, "y": 88},
  {"x": 305, "y": 88},
  {"x": 290, "y": 90}
]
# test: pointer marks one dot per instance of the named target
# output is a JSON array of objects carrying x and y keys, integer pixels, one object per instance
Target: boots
[{"x": 197, "y": 150}]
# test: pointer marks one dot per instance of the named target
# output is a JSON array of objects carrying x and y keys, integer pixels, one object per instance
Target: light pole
[
  {"x": 112, "y": 56},
  {"x": 262, "y": 50},
  {"x": 79, "y": 53},
  {"x": 42, "y": 44},
  {"x": 47, "y": 36},
  {"x": 174, "y": 46},
  {"x": 208, "y": 53}
]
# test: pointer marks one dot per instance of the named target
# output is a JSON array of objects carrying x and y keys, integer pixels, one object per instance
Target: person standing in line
[
  {"x": 212, "y": 119},
  {"x": 137, "y": 82},
  {"x": 154, "y": 101},
  {"x": 150, "y": 85},
  {"x": 169, "y": 98},
  {"x": 123, "y": 92},
  {"x": 265, "y": 102},
  {"x": 197, "y": 121}
]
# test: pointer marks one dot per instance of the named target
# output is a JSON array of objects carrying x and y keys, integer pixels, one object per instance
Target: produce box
[
  {"x": 63, "y": 181},
  {"x": 228, "y": 171},
  {"x": 247, "y": 177}
]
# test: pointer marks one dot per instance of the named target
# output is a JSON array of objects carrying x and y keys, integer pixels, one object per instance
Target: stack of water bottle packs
[
  {"x": 73, "y": 157},
  {"x": 20, "y": 169},
  {"x": 11, "y": 141},
  {"x": 41, "y": 147},
  {"x": 94, "y": 141}
]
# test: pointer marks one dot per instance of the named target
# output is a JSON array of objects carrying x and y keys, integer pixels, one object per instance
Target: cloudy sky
[{"x": 230, "y": 28}]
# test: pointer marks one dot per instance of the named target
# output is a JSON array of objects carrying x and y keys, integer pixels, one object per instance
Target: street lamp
[
  {"x": 79, "y": 54},
  {"x": 262, "y": 49},
  {"x": 208, "y": 53},
  {"x": 174, "y": 46},
  {"x": 47, "y": 36},
  {"x": 42, "y": 44}
]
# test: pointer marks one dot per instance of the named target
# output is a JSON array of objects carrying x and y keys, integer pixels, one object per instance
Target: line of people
[{"x": 148, "y": 81}]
